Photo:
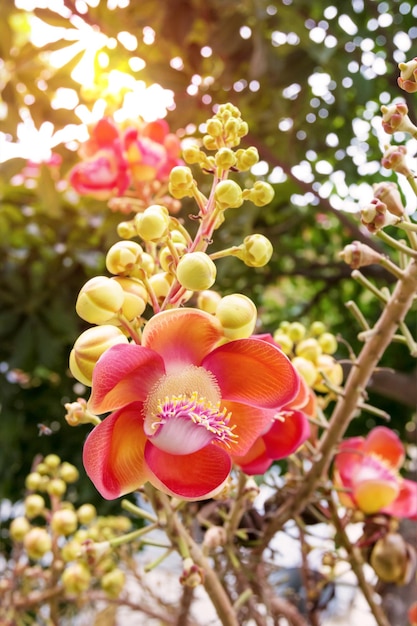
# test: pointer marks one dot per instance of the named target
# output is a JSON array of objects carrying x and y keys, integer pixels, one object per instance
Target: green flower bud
[
  {"x": 328, "y": 343},
  {"x": 261, "y": 193},
  {"x": 317, "y": 328},
  {"x": 76, "y": 578},
  {"x": 237, "y": 315},
  {"x": 214, "y": 127},
  {"x": 306, "y": 369},
  {"x": 19, "y": 528},
  {"x": 196, "y": 271},
  {"x": 33, "y": 481},
  {"x": 153, "y": 223},
  {"x": 192, "y": 154},
  {"x": 135, "y": 296},
  {"x": 309, "y": 349},
  {"x": 123, "y": 257},
  {"x": 208, "y": 300},
  {"x": 64, "y": 522},
  {"x": 71, "y": 550},
  {"x": 256, "y": 250},
  {"x": 86, "y": 513},
  {"x": 126, "y": 230},
  {"x": 225, "y": 158},
  {"x": 181, "y": 182},
  {"x": 68, "y": 472},
  {"x": 228, "y": 195},
  {"x": 37, "y": 543},
  {"x": 56, "y": 487},
  {"x": 296, "y": 331},
  {"x": 113, "y": 582},
  {"x": 209, "y": 142},
  {"x": 88, "y": 348},
  {"x": 245, "y": 159},
  {"x": 99, "y": 300},
  {"x": 34, "y": 505},
  {"x": 52, "y": 461}
]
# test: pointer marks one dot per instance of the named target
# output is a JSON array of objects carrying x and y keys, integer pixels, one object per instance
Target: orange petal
[
  {"x": 191, "y": 476},
  {"x": 256, "y": 460},
  {"x": 248, "y": 424},
  {"x": 182, "y": 336},
  {"x": 253, "y": 371},
  {"x": 124, "y": 376},
  {"x": 385, "y": 443},
  {"x": 287, "y": 435},
  {"x": 113, "y": 453},
  {"x": 349, "y": 456}
]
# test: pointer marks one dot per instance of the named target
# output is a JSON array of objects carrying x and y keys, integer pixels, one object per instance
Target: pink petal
[
  {"x": 253, "y": 371},
  {"x": 348, "y": 458},
  {"x": 124, "y": 376},
  {"x": 256, "y": 461},
  {"x": 191, "y": 476},
  {"x": 113, "y": 453},
  {"x": 385, "y": 443},
  {"x": 285, "y": 437},
  {"x": 182, "y": 336},
  {"x": 405, "y": 505},
  {"x": 249, "y": 423}
]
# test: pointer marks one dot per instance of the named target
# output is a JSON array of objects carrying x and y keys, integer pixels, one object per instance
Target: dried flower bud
[
  {"x": 407, "y": 79},
  {"x": 393, "y": 559},
  {"x": 196, "y": 271},
  {"x": 358, "y": 254},
  {"x": 88, "y": 348},
  {"x": 237, "y": 315},
  {"x": 389, "y": 194},
  {"x": 37, "y": 543},
  {"x": 99, "y": 300}
]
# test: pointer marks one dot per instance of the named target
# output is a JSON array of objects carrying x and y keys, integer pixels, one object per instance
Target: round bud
[
  {"x": 135, "y": 296},
  {"x": 309, "y": 349},
  {"x": 191, "y": 154},
  {"x": 245, "y": 159},
  {"x": 196, "y": 271},
  {"x": 207, "y": 300},
  {"x": 19, "y": 527},
  {"x": 225, "y": 158},
  {"x": 123, "y": 257},
  {"x": 33, "y": 481},
  {"x": 88, "y": 348},
  {"x": 181, "y": 182},
  {"x": 166, "y": 260},
  {"x": 210, "y": 143},
  {"x": 56, "y": 487},
  {"x": 214, "y": 537},
  {"x": 161, "y": 284},
  {"x": 52, "y": 461},
  {"x": 214, "y": 127},
  {"x": 126, "y": 230},
  {"x": 262, "y": 193},
  {"x": 317, "y": 328},
  {"x": 328, "y": 343},
  {"x": 147, "y": 264},
  {"x": 389, "y": 558},
  {"x": 113, "y": 582},
  {"x": 34, "y": 505},
  {"x": 64, "y": 522},
  {"x": 153, "y": 223},
  {"x": 237, "y": 315},
  {"x": 99, "y": 300},
  {"x": 331, "y": 369},
  {"x": 284, "y": 341},
  {"x": 86, "y": 513},
  {"x": 76, "y": 578},
  {"x": 71, "y": 550},
  {"x": 37, "y": 543},
  {"x": 296, "y": 331},
  {"x": 68, "y": 472},
  {"x": 228, "y": 195},
  {"x": 256, "y": 250},
  {"x": 306, "y": 369}
]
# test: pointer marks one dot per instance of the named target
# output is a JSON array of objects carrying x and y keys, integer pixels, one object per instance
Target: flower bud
[
  {"x": 192, "y": 575},
  {"x": 52, "y": 461},
  {"x": 228, "y": 195},
  {"x": 394, "y": 159},
  {"x": 34, "y": 505},
  {"x": 56, "y": 487},
  {"x": 123, "y": 257},
  {"x": 113, "y": 582},
  {"x": 33, "y": 481},
  {"x": 64, "y": 522},
  {"x": 389, "y": 194},
  {"x": 317, "y": 328},
  {"x": 166, "y": 260},
  {"x": 37, "y": 543},
  {"x": 76, "y": 578},
  {"x": 135, "y": 296},
  {"x": 296, "y": 331},
  {"x": 262, "y": 193},
  {"x": 126, "y": 230},
  {"x": 358, "y": 254},
  {"x": 255, "y": 251},
  {"x": 375, "y": 216},
  {"x": 245, "y": 159},
  {"x": 214, "y": 127},
  {"x": 208, "y": 300},
  {"x": 393, "y": 559},
  {"x": 161, "y": 284},
  {"x": 196, "y": 271},
  {"x": 181, "y": 182},
  {"x": 284, "y": 341},
  {"x": 19, "y": 527},
  {"x": 225, "y": 158},
  {"x": 209, "y": 142},
  {"x": 99, "y": 300},
  {"x": 192, "y": 154},
  {"x": 237, "y": 315},
  {"x": 71, "y": 550},
  {"x": 309, "y": 349},
  {"x": 407, "y": 79},
  {"x": 331, "y": 369},
  {"x": 77, "y": 413},
  {"x": 68, "y": 472},
  {"x": 306, "y": 369},
  {"x": 328, "y": 343},
  {"x": 88, "y": 348},
  {"x": 86, "y": 513},
  {"x": 395, "y": 118},
  {"x": 153, "y": 223},
  {"x": 214, "y": 537}
]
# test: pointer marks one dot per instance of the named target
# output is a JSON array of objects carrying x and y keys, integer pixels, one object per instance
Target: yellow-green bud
[
  {"x": 88, "y": 348},
  {"x": 209, "y": 142},
  {"x": 161, "y": 284},
  {"x": 166, "y": 260},
  {"x": 113, "y": 582},
  {"x": 284, "y": 341},
  {"x": 192, "y": 574},
  {"x": 192, "y": 154},
  {"x": 86, "y": 513},
  {"x": 331, "y": 369},
  {"x": 52, "y": 461},
  {"x": 33, "y": 481},
  {"x": 64, "y": 522},
  {"x": 153, "y": 223},
  {"x": 208, "y": 300},
  {"x": 243, "y": 129},
  {"x": 76, "y": 578},
  {"x": 123, "y": 257},
  {"x": 196, "y": 271},
  {"x": 181, "y": 182},
  {"x": 126, "y": 230},
  {"x": 328, "y": 343},
  {"x": 34, "y": 505},
  {"x": 228, "y": 195},
  {"x": 261, "y": 193},
  {"x": 37, "y": 543},
  {"x": 225, "y": 158},
  {"x": 317, "y": 328},
  {"x": 177, "y": 236},
  {"x": 237, "y": 315},
  {"x": 214, "y": 127},
  {"x": 56, "y": 487},
  {"x": 309, "y": 348},
  {"x": 99, "y": 300},
  {"x": 256, "y": 250},
  {"x": 296, "y": 331},
  {"x": 68, "y": 472},
  {"x": 135, "y": 296},
  {"x": 19, "y": 527},
  {"x": 71, "y": 550},
  {"x": 245, "y": 159},
  {"x": 306, "y": 369}
]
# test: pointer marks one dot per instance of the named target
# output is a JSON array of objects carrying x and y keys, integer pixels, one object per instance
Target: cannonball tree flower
[
  {"x": 367, "y": 470},
  {"x": 183, "y": 403}
]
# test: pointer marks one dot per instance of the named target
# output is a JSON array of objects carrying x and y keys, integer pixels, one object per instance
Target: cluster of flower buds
[
  {"x": 56, "y": 537},
  {"x": 167, "y": 266},
  {"x": 311, "y": 351}
]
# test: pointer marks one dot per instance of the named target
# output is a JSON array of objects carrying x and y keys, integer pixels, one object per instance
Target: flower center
[{"x": 183, "y": 414}]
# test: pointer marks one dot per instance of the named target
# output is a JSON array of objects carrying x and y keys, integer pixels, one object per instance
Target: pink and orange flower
[
  {"x": 183, "y": 404},
  {"x": 368, "y": 469}
]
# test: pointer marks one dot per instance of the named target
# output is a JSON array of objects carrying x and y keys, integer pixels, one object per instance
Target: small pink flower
[
  {"x": 184, "y": 402},
  {"x": 368, "y": 468}
]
